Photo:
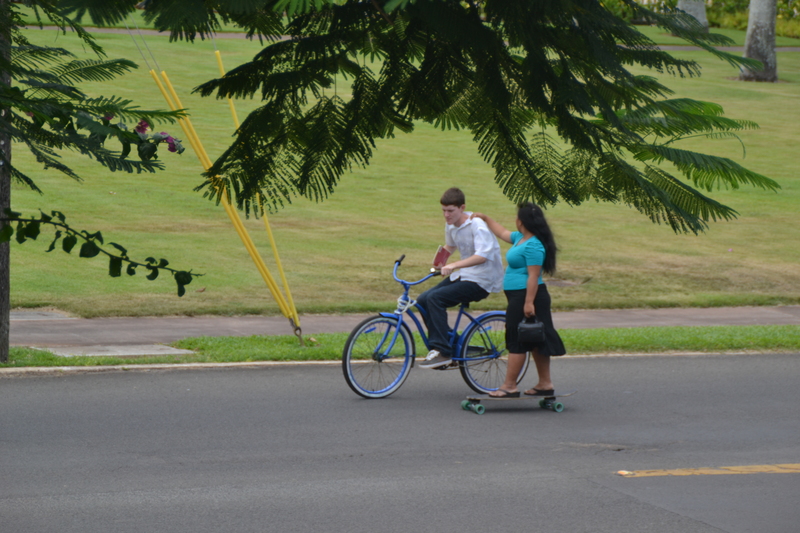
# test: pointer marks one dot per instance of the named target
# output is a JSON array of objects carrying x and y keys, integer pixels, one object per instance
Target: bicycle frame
[
  {"x": 405, "y": 307},
  {"x": 380, "y": 352}
]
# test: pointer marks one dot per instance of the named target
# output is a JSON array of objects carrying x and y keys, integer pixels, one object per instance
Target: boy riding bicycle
[{"x": 478, "y": 272}]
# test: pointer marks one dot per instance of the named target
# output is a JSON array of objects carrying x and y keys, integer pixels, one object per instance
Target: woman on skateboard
[{"x": 533, "y": 252}]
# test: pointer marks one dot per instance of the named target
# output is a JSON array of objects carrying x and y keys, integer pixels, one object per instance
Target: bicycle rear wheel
[
  {"x": 377, "y": 357},
  {"x": 485, "y": 354}
]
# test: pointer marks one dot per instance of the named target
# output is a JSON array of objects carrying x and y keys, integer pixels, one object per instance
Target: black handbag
[{"x": 530, "y": 331}]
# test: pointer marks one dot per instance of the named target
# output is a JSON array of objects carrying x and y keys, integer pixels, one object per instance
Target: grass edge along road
[{"x": 328, "y": 346}]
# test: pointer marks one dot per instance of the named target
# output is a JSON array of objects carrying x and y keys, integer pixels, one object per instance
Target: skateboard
[{"x": 473, "y": 403}]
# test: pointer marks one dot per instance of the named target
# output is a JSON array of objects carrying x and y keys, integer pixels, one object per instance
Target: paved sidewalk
[{"x": 139, "y": 336}]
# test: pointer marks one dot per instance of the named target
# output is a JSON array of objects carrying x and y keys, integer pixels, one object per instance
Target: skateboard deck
[{"x": 473, "y": 403}]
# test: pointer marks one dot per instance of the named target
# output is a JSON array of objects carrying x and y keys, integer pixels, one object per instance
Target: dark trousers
[{"x": 435, "y": 302}]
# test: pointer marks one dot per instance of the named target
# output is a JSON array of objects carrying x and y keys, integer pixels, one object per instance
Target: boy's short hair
[{"x": 453, "y": 196}]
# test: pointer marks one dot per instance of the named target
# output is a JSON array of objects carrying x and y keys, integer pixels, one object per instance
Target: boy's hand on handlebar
[{"x": 446, "y": 270}]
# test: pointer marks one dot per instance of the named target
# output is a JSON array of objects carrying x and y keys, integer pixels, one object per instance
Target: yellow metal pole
[
  {"x": 263, "y": 212},
  {"x": 230, "y": 101},
  {"x": 280, "y": 267},
  {"x": 188, "y": 129}
]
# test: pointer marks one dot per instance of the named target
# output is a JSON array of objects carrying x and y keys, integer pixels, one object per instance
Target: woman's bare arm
[{"x": 494, "y": 226}]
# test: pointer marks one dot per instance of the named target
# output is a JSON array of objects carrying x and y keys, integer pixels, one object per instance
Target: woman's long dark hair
[{"x": 532, "y": 218}]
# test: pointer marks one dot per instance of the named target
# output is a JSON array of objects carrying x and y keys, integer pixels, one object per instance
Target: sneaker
[{"x": 435, "y": 360}]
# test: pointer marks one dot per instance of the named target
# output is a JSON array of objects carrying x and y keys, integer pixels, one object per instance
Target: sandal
[
  {"x": 537, "y": 392},
  {"x": 506, "y": 394}
]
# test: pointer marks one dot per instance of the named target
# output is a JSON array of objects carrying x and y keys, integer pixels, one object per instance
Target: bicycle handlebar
[{"x": 410, "y": 283}]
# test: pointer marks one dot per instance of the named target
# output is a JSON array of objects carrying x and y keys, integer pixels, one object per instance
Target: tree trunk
[
  {"x": 760, "y": 41},
  {"x": 5, "y": 274},
  {"x": 5, "y": 190},
  {"x": 695, "y": 8}
]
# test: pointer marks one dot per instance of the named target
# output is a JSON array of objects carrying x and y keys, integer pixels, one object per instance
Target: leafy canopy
[
  {"x": 543, "y": 86},
  {"x": 48, "y": 113},
  {"x": 43, "y": 110}
]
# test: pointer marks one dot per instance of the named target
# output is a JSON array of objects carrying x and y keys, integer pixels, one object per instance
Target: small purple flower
[
  {"x": 170, "y": 140},
  {"x": 142, "y": 126},
  {"x": 29, "y": 113},
  {"x": 109, "y": 117}
]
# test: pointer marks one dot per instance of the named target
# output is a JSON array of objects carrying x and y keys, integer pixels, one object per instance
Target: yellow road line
[{"x": 722, "y": 470}]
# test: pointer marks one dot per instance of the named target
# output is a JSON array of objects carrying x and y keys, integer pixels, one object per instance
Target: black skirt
[{"x": 515, "y": 313}]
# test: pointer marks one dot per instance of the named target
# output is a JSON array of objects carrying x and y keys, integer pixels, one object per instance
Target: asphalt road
[{"x": 291, "y": 448}]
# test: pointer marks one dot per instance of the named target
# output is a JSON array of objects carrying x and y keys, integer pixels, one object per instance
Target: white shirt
[{"x": 473, "y": 237}]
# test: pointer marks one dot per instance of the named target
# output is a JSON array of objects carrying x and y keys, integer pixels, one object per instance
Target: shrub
[
  {"x": 731, "y": 14},
  {"x": 622, "y": 10},
  {"x": 787, "y": 9},
  {"x": 788, "y": 28},
  {"x": 784, "y": 27},
  {"x": 734, "y": 21}
]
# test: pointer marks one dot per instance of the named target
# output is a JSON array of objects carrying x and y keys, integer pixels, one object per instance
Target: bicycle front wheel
[
  {"x": 377, "y": 357},
  {"x": 485, "y": 355}
]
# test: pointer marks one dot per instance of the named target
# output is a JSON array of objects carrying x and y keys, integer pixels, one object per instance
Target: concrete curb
[
  {"x": 63, "y": 370},
  {"x": 49, "y": 371}
]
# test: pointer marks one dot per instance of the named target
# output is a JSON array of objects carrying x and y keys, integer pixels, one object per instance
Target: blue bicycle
[{"x": 380, "y": 351}]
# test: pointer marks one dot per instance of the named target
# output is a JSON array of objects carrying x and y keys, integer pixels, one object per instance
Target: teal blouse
[{"x": 518, "y": 257}]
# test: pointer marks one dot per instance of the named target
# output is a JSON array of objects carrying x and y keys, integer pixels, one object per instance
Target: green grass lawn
[
  {"x": 328, "y": 346},
  {"x": 338, "y": 254}
]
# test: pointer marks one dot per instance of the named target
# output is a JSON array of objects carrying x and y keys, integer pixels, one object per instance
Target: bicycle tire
[
  {"x": 487, "y": 336},
  {"x": 369, "y": 368}
]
